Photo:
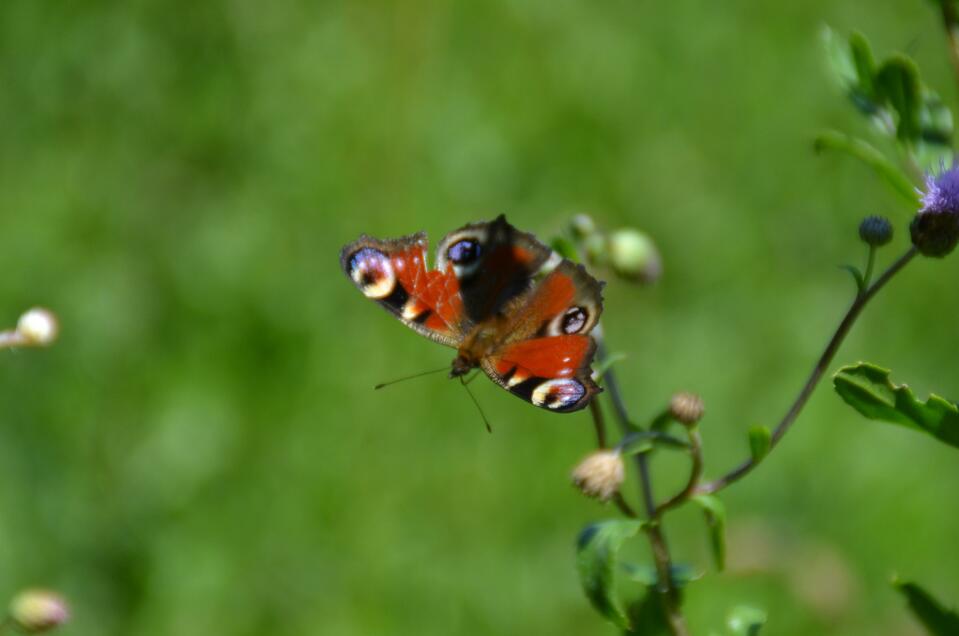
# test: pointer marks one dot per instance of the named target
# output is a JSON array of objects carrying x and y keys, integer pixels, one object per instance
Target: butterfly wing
[
  {"x": 395, "y": 275},
  {"x": 494, "y": 263},
  {"x": 546, "y": 355}
]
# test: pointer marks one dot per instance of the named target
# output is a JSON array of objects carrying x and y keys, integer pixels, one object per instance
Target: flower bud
[
  {"x": 935, "y": 228},
  {"x": 875, "y": 230},
  {"x": 600, "y": 474},
  {"x": 597, "y": 250},
  {"x": 582, "y": 225},
  {"x": 37, "y": 611},
  {"x": 686, "y": 408},
  {"x": 38, "y": 327},
  {"x": 634, "y": 256}
]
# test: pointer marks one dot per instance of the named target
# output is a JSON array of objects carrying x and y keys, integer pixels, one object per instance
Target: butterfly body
[{"x": 503, "y": 300}]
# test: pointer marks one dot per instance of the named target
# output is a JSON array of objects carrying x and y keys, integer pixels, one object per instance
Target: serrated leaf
[
  {"x": 760, "y": 440},
  {"x": 745, "y": 620},
  {"x": 715, "y": 513},
  {"x": 597, "y": 551},
  {"x": 937, "y": 620},
  {"x": 887, "y": 171},
  {"x": 897, "y": 82},
  {"x": 868, "y": 389}
]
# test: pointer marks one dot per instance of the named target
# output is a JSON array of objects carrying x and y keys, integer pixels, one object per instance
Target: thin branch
[
  {"x": 12, "y": 338},
  {"x": 695, "y": 473},
  {"x": 599, "y": 423},
  {"x": 950, "y": 21},
  {"x": 668, "y": 593},
  {"x": 624, "y": 506},
  {"x": 815, "y": 376}
]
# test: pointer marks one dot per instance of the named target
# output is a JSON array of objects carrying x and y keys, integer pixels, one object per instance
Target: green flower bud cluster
[{"x": 630, "y": 253}]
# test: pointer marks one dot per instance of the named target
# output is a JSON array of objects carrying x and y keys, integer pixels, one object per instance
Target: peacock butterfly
[{"x": 505, "y": 301}]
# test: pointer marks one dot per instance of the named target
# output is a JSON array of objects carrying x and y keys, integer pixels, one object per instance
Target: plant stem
[
  {"x": 815, "y": 376},
  {"x": 668, "y": 593},
  {"x": 11, "y": 338},
  {"x": 695, "y": 473},
  {"x": 950, "y": 20},
  {"x": 599, "y": 423}
]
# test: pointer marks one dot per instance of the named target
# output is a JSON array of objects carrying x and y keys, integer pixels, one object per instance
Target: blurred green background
[{"x": 202, "y": 452}]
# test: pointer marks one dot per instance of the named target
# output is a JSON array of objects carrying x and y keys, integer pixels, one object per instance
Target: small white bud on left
[
  {"x": 37, "y": 611},
  {"x": 38, "y": 327}
]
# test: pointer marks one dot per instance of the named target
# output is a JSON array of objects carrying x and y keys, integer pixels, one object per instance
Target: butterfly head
[{"x": 462, "y": 365}]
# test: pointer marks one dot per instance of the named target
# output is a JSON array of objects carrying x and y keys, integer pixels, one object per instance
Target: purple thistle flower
[{"x": 935, "y": 230}]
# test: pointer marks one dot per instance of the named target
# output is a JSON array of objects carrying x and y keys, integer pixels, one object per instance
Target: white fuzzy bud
[
  {"x": 38, "y": 327},
  {"x": 600, "y": 474}
]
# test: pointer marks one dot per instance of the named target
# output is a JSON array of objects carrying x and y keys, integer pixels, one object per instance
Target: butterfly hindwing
[
  {"x": 545, "y": 358},
  {"x": 394, "y": 274},
  {"x": 552, "y": 372}
]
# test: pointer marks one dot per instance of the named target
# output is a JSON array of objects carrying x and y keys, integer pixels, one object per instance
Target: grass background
[{"x": 202, "y": 453}]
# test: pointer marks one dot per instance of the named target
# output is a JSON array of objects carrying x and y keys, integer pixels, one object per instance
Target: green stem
[
  {"x": 950, "y": 21},
  {"x": 668, "y": 593},
  {"x": 695, "y": 473},
  {"x": 815, "y": 376},
  {"x": 870, "y": 264}
]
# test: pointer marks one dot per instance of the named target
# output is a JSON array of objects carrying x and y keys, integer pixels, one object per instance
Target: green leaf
[
  {"x": 565, "y": 248},
  {"x": 648, "y": 618},
  {"x": 868, "y": 389},
  {"x": 937, "y": 620},
  {"x": 597, "y": 550},
  {"x": 887, "y": 171},
  {"x": 857, "y": 276},
  {"x": 644, "y": 441},
  {"x": 744, "y": 620},
  {"x": 839, "y": 57},
  {"x": 760, "y": 440},
  {"x": 854, "y": 68},
  {"x": 897, "y": 82},
  {"x": 864, "y": 93},
  {"x": 715, "y": 513},
  {"x": 606, "y": 363},
  {"x": 934, "y": 148},
  {"x": 646, "y": 574},
  {"x": 935, "y": 120}
]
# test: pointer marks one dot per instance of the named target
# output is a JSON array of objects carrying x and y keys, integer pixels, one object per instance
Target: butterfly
[{"x": 507, "y": 303}]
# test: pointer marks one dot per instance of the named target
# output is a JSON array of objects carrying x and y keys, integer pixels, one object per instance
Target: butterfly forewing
[{"x": 394, "y": 274}]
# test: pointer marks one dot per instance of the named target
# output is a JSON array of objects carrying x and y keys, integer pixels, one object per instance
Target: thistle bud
[
  {"x": 600, "y": 474},
  {"x": 582, "y": 225},
  {"x": 634, "y": 256},
  {"x": 875, "y": 230},
  {"x": 38, "y": 327},
  {"x": 686, "y": 408},
  {"x": 935, "y": 228},
  {"x": 37, "y": 611}
]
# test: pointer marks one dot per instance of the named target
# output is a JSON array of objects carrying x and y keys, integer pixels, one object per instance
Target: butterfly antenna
[
  {"x": 489, "y": 429},
  {"x": 409, "y": 377}
]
